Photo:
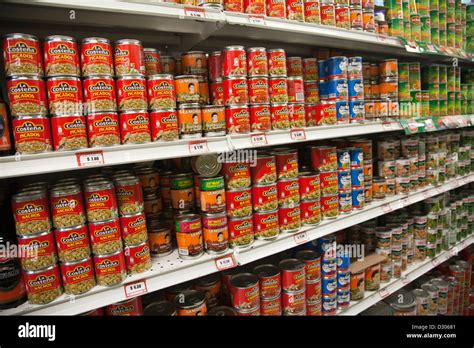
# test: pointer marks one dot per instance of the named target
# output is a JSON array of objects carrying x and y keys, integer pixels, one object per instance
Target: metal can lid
[
  {"x": 187, "y": 217},
  {"x": 126, "y": 180},
  {"x": 98, "y": 77},
  {"x": 237, "y": 106},
  {"x": 291, "y": 265},
  {"x": 234, "y": 48},
  {"x": 68, "y": 229},
  {"x": 20, "y": 36},
  {"x": 103, "y": 222},
  {"x": 255, "y": 49},
  {"x": 64, "y": 77},
  {"x": 41, "y": 270},
  {"x": 95, "y": 39},
  {"x": 160, "y": 308},
  {"x": 214, "y": 215},
  {"x": 208, "y": 166},
  {"x": 190, "y": 106},
  {"x": 208, "y": 280},
  {"x": 420, "y": 293},
  {"x": 128, "y": 41},
  {"x": 34, "y": 235},
  {"x": 70, "y": 263},
  {"x": 193, "y": 52},
  {"x": 222, "y": 311},
  {"x": 216, "y": 53},
  {"x": 150, "y": 49},
  {"x": 181, "y": 77},
  {"x": 64, "y": 190},
  {"x": 59, "y": 38},
  {"x": 189, "y": 298},
  {"x": 243, "y": 280},
  {"x": 160, "y": 77},
  {"x": 97, "y": 185},
  {"x": 28, "y": 195},
  {"x": 276, "y": 50},
  {"x": 266, "y": 270},
  {"x": 99, "y": 256},
  {"x": 131, "y": 77},
  {"x": 405, "y": 302},
  {"x": 307, "y": 255}
]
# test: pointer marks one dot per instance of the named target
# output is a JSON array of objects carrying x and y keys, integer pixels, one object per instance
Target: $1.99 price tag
[
  {"x": 196, "y": 12},
  {"x": 135, "y": 289},
  {"x": 255, "y": 19},
  {"x": 92, "y": 158},
  {"x": 298, "y": 134},
  {"x": 301, "y": 238},
  {"x": 199, "y": 146},
  {"x": 226, "y": 262}
]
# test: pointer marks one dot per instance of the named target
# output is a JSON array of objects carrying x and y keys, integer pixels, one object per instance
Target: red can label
[
  {"x": 103, "y": 129},
  {"x": 287, "y": 164},
  {"x": 258, "y": 90},
  {"x": 330, "y": 206},
  {"x": 132, "y": 93},
  {"x": 257, "y": 63},
  {"x": 36, "y": 247},
  {"x": 131, "y": 307},
  {"x": 61, "y": 58},
  {"x": 294, "y": 66},
  {"x": 66, "y": 206},
  {"x": 32, "y": 135},
  {"x": 254, "y": 6},
  {"x": 96, "y": 59},
  {"x": 135, "y": 127},
  {"x": 239, "y": 203},
  {"x": 129, "y": 197},
  {"x": 264, "y": 172},
  {"x": 152, "y": 62},
  {"x": 26, "y": 96},
  {"x": 288, "y": 192},
  {"x": 265, "y": 198},
  {"x": 276, "y": 63},
  {"x": 289, "y": 218},
  {"x": 328, "y": 183},
  {"x": 138, "y": 258},
  {"x": 260, "y": 118},
  {"x": 80, "y": 272},
  {"x": 280, "y": 115},
  {"x": 266, "y": 225},
  {"x": 217, "y": 93},
  {"x": 311, "y": 12},
  {"x": 270, "y": 287},
  {"x": 324, "y": 158},
  {"x": 99, "y": 94},
  {"x": 294, "y": 10},
  {"x": 31, "y": 216},
  {"x": 214, "y": 221},
  {"x": 129, "y": 59},
  {"x": 164, "y": 125},
  {"x": 235, "y": 91},
  {"x": 295, "y": 90},
  {"x": 311, "y": 92},
  {"x": 328, "y": 16},
  {"x": 234, "y": 62},
  {"x": 245, "y": 298},
  {"x": 100, "y": 204},
  {"x": 236, "y": 175},
  {"x": 313, "y": 272},
  {"x": 293, "y": 303},
  {"x": 39, "y": 282},
  {"x": 309, "y": 187},
  {"x": 310, "y": 69},
  {"x": 278, "y": 88},
  {"x": 241, "y": 232},
  {"x": 270, "y": 307},
  {"x": 313, "y": 309},
  {"x": 328, "y": 114},
  {"x": 69, "y": 132},
  {"x": 22, "y": 56},
  {"x": 313, "y": 291},
  {"x": 342, "y": 17},
  {"x": 215, "y": 66},
  {"x": 276, "y": 9},
  {"x": 161, "y": 93},
  {"x": 312, "y": 115},
  {"x": 108, "y": 265},
  {"x": 64, "y": 95},
  {"x": 297, "y": 115},
  {"x": 310, "y": 212},
  {"x": 70, "y": 241},
  {"x": 237, "y": 119},
  {"x": 294, "y": 280}
]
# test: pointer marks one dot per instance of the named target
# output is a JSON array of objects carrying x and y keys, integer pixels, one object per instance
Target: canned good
[
  {"x": 269, "y": 280},
  {"x": 160, "y": 241},
  {"x": 129, "y": 58},
  {"x": 78, "y": 276},
  {"x": 26, "y": 95},
  {"x": 237, "y": 119},
  {"x": 280, "y": 116},
  {"x": 191, "y": 303},
  {"x": 293, "y": 277},
  {"x": 22, "y": 55},
  {"x": 271, "y": 307},
  {"x": 266, "y": 225},
  {"x": 244, "y": 291},
  {"x": 289, "y": 218},
  {"x": 294, "y": 303},
  {"x": 43, "y": 286},
  {"x": 264, "y": 172},
  {"x": 110, "y": 268},
  {"x": 241, "y": 232},
  {"x": 234, "y": 61},
  {"x": 278, "y": 88},
  {"x": 72, "y": 243},
  {"x": 276, "y": 62},
  {"x": 260, "y": 118},
  {"x": 61, "y": 56}
]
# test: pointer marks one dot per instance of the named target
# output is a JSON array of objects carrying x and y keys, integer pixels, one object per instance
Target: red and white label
[
  {"x": 384, "y": 293},
  {"x": 258, "y": 139},
  {"x": 135, "y": 289},
  {"x": 298, "y": 134},
  {"x": 301, "y": 238},
  {"x": 386, "y": 208},
  {"x": 196, "y": 147},
  {"x": 254, "y": 19},
  {"x": 226, "y": 262},
  {"x": 387, "y": 125},
  {"x": 196, "y": 12},
  {"x": 85, "y": 159}
]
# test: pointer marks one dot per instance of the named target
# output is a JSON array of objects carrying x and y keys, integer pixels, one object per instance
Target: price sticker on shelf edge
[
  {"x": 196, "y": 12},
  {"x": 406, "y": 202},
  {"x": 198, "y": 146},
  {"x": 386, "y": 208},
  {"x": 301, "y": 238},
  {"x": 384, "y": 293},
  {"x": 258, "y": 139},
  {"x": 255, "y": 19},
  {"x": 92, "y": 158},
  {"x": 135, "y": 289},
  {"x": 436, "y": 261},
  {"x": 226, "y": 262},
  {"x": 406, "y": 279},
  {"x": 453, "y": 184},
  {"x": 298, "y": 134},
  {"x": 425, "y": 194},
  {"x": 387, "y": 125}
]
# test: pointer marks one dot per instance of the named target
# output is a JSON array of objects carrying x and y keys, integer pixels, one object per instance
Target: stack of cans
[
  {"x": 469, "y": 27},
  {"x": 327, "y": 247}
]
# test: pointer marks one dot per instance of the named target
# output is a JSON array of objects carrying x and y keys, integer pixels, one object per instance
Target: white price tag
[
  {"x": 197, "y": 147},
  {"x": 254, "y": 19},
  {"x": 406, "y": 279},
  {"x": 298, "y": 134},
  {"x": 387, "y": 125},
  {"x": 226, "y": 262},
  {"x": 384, "y": 293},
  {"x": 301, "y": 238},
  {"x": 386, "y": 208},
  {"x": 195, "y": 12},
  {"x": 425, "y": 194},
  {"x": 381, "y": 38},
  {"x": 454, "y": 251},
  {"x": 258, "y": 139},
  {"x": 406, "y": 202},
  {"x": 135, "y": 289},
  {"x": 93, "y": 158}
]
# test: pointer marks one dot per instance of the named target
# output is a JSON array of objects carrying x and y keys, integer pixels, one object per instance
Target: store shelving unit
[{"x": 414, "y": 271}]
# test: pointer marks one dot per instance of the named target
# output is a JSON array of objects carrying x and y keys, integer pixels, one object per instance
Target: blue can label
[
  {"x": 358, "y": 198},
  {"x": 336, "y": 67},
  {"x": 328, "y": 285},
  {"x": 343, "y": 297},
  {"x": 322, "y": 69},
  {"x": 356, "y": 110},
  {"x": 343, "y": 159},
  {"x": 323, "y": 89},
  {"x": 344, "y": 180},
  {"x": 357, "y": 157},
  {"x": 337, "y": 88},
  {"x": 342, "y": 112},
  {"x": 327, "y": 244},
  {"x": 356, "y": 88},
  {"x": 354, "y": 69},
  {"x": 343, "y": 261},
  {"x": 343, "y": 279},
  {"x": 329, "y": 304},
  {"x": 357, "y": 177},
  {"x": 345, "y": 202},
  {"x": 328, "y": 266}
]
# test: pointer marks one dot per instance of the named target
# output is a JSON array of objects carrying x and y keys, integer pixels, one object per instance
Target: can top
[
  {"x": 70, "y": 263},
  {"x": 95, "y": 40},
  {"x": 161, "y": 308},
  {"x": 41, "y": 270},
  {"x": 149, "y": 49},
  {"x": 28, "y": 195},
  {"x": 182, "y": 77},
  {"x": 193, "y": 52},
  {"x": 429, "y": 288},
  {"x": 98, "y": 77},
  {"x": 131, "y": 77},
  {"x": 189, "y": 106},
  {"x": 291, "y": 265},
  {"x": 420, "y": 293},
  {"x": 307, "y": 255},
  {"x": 234, "y": 48},
  {"x": 276, "y": 50},
  {"x": 208, "y": 280},
  {"x": 97, "y": 185},
  {"x": 68, "y": 229},
  {"x": 265, "y": 271},
  {"x": 189, "y": 299},
  {"x": 221, "y": 311},
  {"x": 463, "y": 264},
  {"x": 64, "y": 190},
  {"x": 405, "y": 302},
  {"x": 59, "y": 38},
  {"x": 20, "y": 36},
  {"x": 126, "y": 180},
  {"x": 243, "y": 280},
  {"x": 128, "y": 41},
  {"x": 187, "y": 217},
  {"x": 35, "y": 235}
]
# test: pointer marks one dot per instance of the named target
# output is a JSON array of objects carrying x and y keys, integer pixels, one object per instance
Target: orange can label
[
  {"x": 216, "y": 239},
  {"x": 190, "y": 244},
  {"x": 187, "y": 90},
  {"x": 213, "y": 201},
  {"x": 213, "y": 119},
  {"x": 190, "y": 121},
  {"x": 200, "y": 310}
]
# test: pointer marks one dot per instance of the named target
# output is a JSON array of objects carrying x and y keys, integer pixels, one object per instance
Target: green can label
[
  {"x": 434, "y": 36},
  {"x": 403, "y": 69},
  {"x": 426, "y": 29},
  {"x": 211, "y": 184},
  {"x": 433, "y": 72},
  {"x": 442, "y": 5},
  {"x": 181, "y": 182},
  {"x": 434, "y": 5},
  {"x": 416, "y": 96},
  {"x": 434, "y": 91},
  {"x": 443, "y": 107},
  {"x": 442, "y": 21},
  {"x": 434, "y": 108},
  {"x": 443, "y": 91},
  {"x": 403, "y": 91},
  {"x": 443, "y": 74},
  {"x": 434, "y": 17}
]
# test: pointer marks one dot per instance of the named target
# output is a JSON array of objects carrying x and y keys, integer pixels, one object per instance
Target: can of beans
[
  {"x": 241, "y": 232},
  {"x": 31, "y": 212},
  {"x": 100, "y": 201},
  {"x": 189, "y": 236},
  {"x": 129, "y": 195},
  {"x": 294, "y": 303},
  {"x": 99, "y": 94},
  {"x": 129, "y": 58},
  {"x": 270, "y": 307},
  {"x": 234, "y": 61},
  {"x": 288, "y": 192},
  {"x": 64, "y": 95},
  {"x": 312, "y": 263},
  {"x": 152, "y": 58},
  {"x": 78, "y": 276},
  {"x": 236, "y": 90},
  {"x": 216, "y": 234},
  {"x": 105, "y": 236},
  {"x": 311, "y": 92},
  {"x": 345, "y": 201},
  {"x": 280, "y": 116},
  {"x": 215, "y": 65},
  {"x": 294, "y": 66},
  {"x": 239, "y": 202},
  {"x": 164, "y": 125},
  {"x": 191, "y": 303},
  {"x": 329, "y": 304},
  {"x": 161, "y": 91},
  {"x": 132, "y": 307},
  {"x": 328, "y": 15},
  {"x": 61, "y": 56},
  {"x": 103, "y": 129},
  {"x": 313, "y": 291},
  {"x": 287, "y": 163},
  {"x": 258, "y": 90},
  {"x": 311, "y": 11},
  {"x": 260, "y": 118},
  {"x": 342, "y": 16},
  {"x": 264, "y": 172},
  {"x": 110, "y": 269},
  {"x": 329, "y": 206},
  {"x": 213, "y": 120},
  {"x": 310, "y": 212},
  {"x": 278, "y": 88},
  {"x": 212, "y": 194},
  {"x": 276, "y": 9},
  {"x": 137, "y": 257},
  {"x": 276, "y": 62},
  {"x": 160, "y": 241},
  {"x": 309, "y": 185},
  {"x": 69, "y": 132},
  {"x": 328, "y": 285},
  {"x": 329, "y": 182},
  {"x": 292, "y": 275},
  {"x": 313, "y": 309},
  {"x": 43, "y": 286},
  {"x": 237, "y": 119},
  {"x": 22, "y": 55},
  {"x": 131, "y": 93},
  {"x": 26, "y": 95},
  {"x": 72, "y": 243},
  {"x": 134, "y": 229},
  {"x": 39, "y": 251},
  {"x": 266, "y": 225},
  {"x": 257, "y": 58},
  {"x": 244, "y": 291},
  {"x": 269, "y": 279},
  {"x": 324, "y": 158}
]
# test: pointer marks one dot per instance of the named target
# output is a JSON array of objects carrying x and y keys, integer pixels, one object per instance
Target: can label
[
  {"x": 345, "y": 202},
  {"x": 31, "y": 135},
  {"x": 131, "y": 94},
  {"x": 311, "y": 12},
  {"x": 152, "y": 62},
  {"x": 161, "y": 93},
  {"x": 310, "y": 187},
  {"x": 164, "y": 125},
  {"x": 311, "y": 92},
  {"x": 78, "y": 277},
  {"x": 265, "y": 198},
  {"x": 342, "y": 17},
  {"x": 190, "y": 243},
  {"x": 129, "y": 59},
  {"x": 239, "y": 202},
  {"x": 64, "y": 95},
  {"x": 41, "y": 286},
  {"x": 234, "y": 62},
  {"x": 357, "y": 177},
  {"x": 213, "y": 120},
  {"x": 109, "y": 269},
  {"x": 264, "y": 172},
  {"x": 241, "y": 232},
  {"x": 237, "y": 119},
  {"x": 278, "y": 89},
  {"x": 329, "y": 182},
  {"x": 289, "y": 218},
  {"x": 358, "y": 198},
  {"x": 260, "y": 118},
  {"x": 236, "y": 90},
  {"x": 257, "y": 59},
  {"x": 245, "y": 298},
  {"x": 73, "y": 245},
  {"x": 287, "y": 165},
  {"x": 337, "y": 89},
  {"x": 69, "y": 132},
  {"x": 280, "y": 115},
  {"x": 344, "y": 179},
  {"x": 270, "y": 307},
  {"x": 22, "y": 55},
  {"x": 103, "y": 129},
  {"x": 328, "y": 16},
  {"x": 328, "y": 285},
  {"x": 329, "y": 206},
  {"x": 295, "y": 90},
  {"x": 293, "y": 303},
  {"x": 26, "y": 96},
  {"x": 266, "y": 225},
  {"x": 310, "y": 213},
  {"x": 67, "y": 210},
  {"x": 61, "y": 58},
  {"x": 100, "y": 204},
  {"x": 99, "y": 94},
  {"x": 236, "y": 175},
  {"x": 39, "y": 251},
  {"x": 217, "y": 93},
  {"x": 288, "y": 192},
  {"x": 276, "y": 63},
  {"x": 324, "y": 158},
  {"x": 342, "y": 112},
  {"x": 138, "y": 258},
  {"x": 134, "y": 229},
  {"x": 105, "y": 237},
  {"x": 258, "y": 90},
  {"x": 328, "y": 114}
]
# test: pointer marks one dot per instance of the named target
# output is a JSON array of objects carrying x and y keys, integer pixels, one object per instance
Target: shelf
[
  {"x": 171, "y": 270},
  {"x": 284, "y": 241},
  {"x": 413, "y": 271}
]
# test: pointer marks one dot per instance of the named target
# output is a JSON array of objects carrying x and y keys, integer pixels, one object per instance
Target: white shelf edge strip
[
  {"x": 413, "y": 272},
  {"x": 191, "y": 269}
]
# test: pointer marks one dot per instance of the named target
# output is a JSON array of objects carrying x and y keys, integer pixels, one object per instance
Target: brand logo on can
[
  {"x": 75, "y": 124},
  {"x": 107, "y": 264},
  {"x": 21, "y": 47},
  {"x": 23, "y": 87},
  {"x": 62, "y": 49},
  {"x": 63, "y": 87},
  {"x": 41, "y": 280},
  {"x": 294, "y": 213},
  {"x": 35, "y": 245},
  {"x": 237, "y": 167},
  {"x": 139, "y": 120},
  {"x": 243, "y": 225},
  {"x": 137, "y": 223},
  {"x": 96, "y": 198},
  {"x": 241, "y": 114},
  {"x": 270, "y": 219},
  {"x": 105, "y": 122},
  {"x": 242, "y": 197},
  {"x": 163, "y": 85},
  {"x": 240, "y": 85},
  {"x": 73, "y": 237},
  {"x": 122, "y": 309},
  {"x": 332, "y": 200},
  {"x": 143, "y": 252},
  {"x": 134, "y": 86},
  {"x": 171, "y": 118},
  {"x": 292, "y": 186},
  {"x": 106, "y": 230},
  {"x": 29, "y": 127},
  {"x": 65, "y": 203},
  {"x": 262, "y": 55},
  {"x": 258, "y": 84},
  {"x": 79, "y": 271},
  {"x": 270, "y": 192},
  {"x": 97, "y": 51},
  {"x": 30, "y": 208},
  {"x": 100, "y": 86},
  {"x": 120, "y": 52},
  {"x": 279, "y": 84}
]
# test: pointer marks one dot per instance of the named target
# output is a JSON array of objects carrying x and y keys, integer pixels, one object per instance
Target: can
[
  {"x": 324, "y": 158},
  {"x": 266, "y": 225},
  {"x": 257, "y": 61},
  {"x": 276, "y": 62},
  {"x": 72, "y": 243},
  {"x": 134, "y": 230},
  {"x": 161, "y": 91},
  {"x": 160, "y": 241},
  {"x": 168, "y": 65},
  {"x": 292, "y": 275},
  {"x": 328, "y": 15},
  {"x": 356, "y": 89},
  {"x": 110, "y": 269},
  {"x": 129, "y": 58},
  {"x": 265, "y": 171},
  {"x": 61, "y": 56},
  {"x": 236, "y": 90},
  {"x": 22, "y": 55},
  {"x": 342, "y": 112},
  {"x": 294, "y": 10},
  {"x": 241, "y": 232},
  {"x": 295, "y": 89},
  {"x": 244, "y": 290},
  {"x": 329, "y": 304},
  {"x": 257, "y": 90},
  {"x": 234, "y": 61},
  {"x": 152, "y": 59},
  {"x": 254, "y": 7},
  {"x": 313, "y": 309},
  {"x": 215, "y": 233},
  {"x": 260, "y": 118},
  {"x": 309, "y": 185},
  {"x": 43, "y": 286},
  {"x": 357, "y": 178},
  {"x": 78, "y": 276},
  {"x": 328, "y": 285},
  {"x": 356, "y": 111},
  {"x": 329, "y": 206},
  {"x": 310, "y": 212},
  {"x": 337, "y": 89},
  {"x": 164, "y": 125},
  {"x": 189, "y": 236},
  {"x": 329, "y": 182},
  {"x": 132, "y": 307},
  {"x": 344, "y": 180},
  {"x": 294, "y": 66},
  {"x": 342, "y": 14},
  {"x": 239, "y": 202},
  {"x": 269, "y": 281},
  {"x": 271, "y": 307},
  {"x": 38, "y": 251},
  {"x": 26, "y": 95},
  {"x": 358, "y": 198},
  {"x": 100, "y": 201},
  {"x": 191, "y": 303},
  {"x": 237, "y": 119},
  {"x": 216, "y": 92},
  {"x": 311, "y": 92},
  {"x": 278, "y": 89},
  {"x": 280, "y": 116},
  {"x": 289, "y": 218},
  {"x": 105, "y": 236},
  {"x": 345, "y": 201}
]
